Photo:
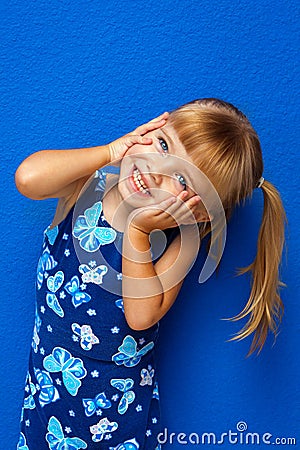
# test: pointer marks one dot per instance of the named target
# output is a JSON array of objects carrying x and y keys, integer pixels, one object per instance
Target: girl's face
[{"x": 151, "y": 173}]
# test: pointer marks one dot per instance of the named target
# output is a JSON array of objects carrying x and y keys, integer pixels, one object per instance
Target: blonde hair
[{"x": 224, "y": 146}]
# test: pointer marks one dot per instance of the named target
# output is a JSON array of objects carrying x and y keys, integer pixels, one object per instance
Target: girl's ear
[
  {"x": 206, "y": 218},
  {"x": 203, "y": 216}
]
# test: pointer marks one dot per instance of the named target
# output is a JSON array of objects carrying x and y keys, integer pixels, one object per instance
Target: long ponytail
[
  {"x": 223, "y": 144},
  {"x": 264, "y": 306}
]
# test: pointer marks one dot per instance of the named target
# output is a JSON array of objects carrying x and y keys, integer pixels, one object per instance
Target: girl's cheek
[{"x": 170, "y": 189}]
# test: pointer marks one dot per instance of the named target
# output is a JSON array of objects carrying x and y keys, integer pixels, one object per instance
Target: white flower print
[
  {"x": 115, "y": 330},
  {"x": 108, "y": 436}
]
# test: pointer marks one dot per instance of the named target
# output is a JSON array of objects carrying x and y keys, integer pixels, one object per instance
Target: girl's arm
[
  {"x": 149, "y": 290},
  {"x": 143, "y": 310},
  {"x": 60, "y": 173},
  {"x": 55, "y": 173}
]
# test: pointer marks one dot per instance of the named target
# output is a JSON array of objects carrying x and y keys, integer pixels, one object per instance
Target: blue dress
[{"x": 92, "y": 380}]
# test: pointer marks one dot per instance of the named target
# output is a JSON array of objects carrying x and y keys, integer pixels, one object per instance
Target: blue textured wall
[{"x": 79, "y": 73}]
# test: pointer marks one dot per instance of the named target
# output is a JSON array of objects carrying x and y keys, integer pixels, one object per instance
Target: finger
[
  {"x": 182, "y": 195},
  {"x": 164, "y": 115},
  {"x": 184, "y": 218},
  {"x": 176, "y": 206},
  {"x": 146, "y": 128},
  {"x": 198, "y": 213},
  {"x": 166, "y": 203},
  {"x": 137, "y": 139},
  {"x": 193, "y": 201},
  {"x": 152, "y": 124},
  {"x": 175, "y": 219},
  {"x": 180, "y": 209}
]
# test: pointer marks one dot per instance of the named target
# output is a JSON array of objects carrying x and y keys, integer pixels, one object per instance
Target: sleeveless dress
[{"x": 92, "y": 380}]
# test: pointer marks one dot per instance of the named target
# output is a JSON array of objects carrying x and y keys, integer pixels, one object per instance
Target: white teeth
[{"x": 139, "y": 182}]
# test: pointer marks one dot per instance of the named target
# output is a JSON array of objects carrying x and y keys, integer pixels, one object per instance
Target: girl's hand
[
  {"x": 169, "y": 213},
  {"x": 119, "y": 147}
]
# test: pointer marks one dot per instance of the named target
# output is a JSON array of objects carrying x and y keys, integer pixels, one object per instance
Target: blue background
[{"x": 81, "y": 73}]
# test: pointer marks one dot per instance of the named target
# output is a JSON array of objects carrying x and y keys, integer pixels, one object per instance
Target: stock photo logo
[
  {"x": 92, "y": 233},
  {"x": 241, "y": 435}
]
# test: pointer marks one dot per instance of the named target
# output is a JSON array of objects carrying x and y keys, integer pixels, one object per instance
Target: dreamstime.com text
[{"x": 239, "y": 436}]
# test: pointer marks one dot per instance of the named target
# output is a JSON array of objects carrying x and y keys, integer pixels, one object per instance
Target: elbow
[
  {"x": 25, "y": 183},
  {"x": 143, "y": 313},
  {"x": 140, "y": 324},
  {"x": 22, "y": 179}
]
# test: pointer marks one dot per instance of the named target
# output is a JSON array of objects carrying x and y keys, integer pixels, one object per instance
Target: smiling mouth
[{"x": 138, "y": 182}]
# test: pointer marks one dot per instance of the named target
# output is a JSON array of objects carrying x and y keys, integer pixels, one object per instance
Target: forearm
[
  {"x": 149, "y": 290},
  {"x": 141, "y": 287},
  {"x": 49, "y": 171}
]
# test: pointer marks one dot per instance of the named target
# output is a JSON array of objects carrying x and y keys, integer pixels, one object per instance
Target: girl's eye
[
  {"x": 163, "y": 145},
  {"x": 181, "y": 180}
]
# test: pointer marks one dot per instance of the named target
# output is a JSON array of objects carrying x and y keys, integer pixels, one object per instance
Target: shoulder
[
  {"x": 65, "y": 203},
  {"x": 96, "y": 181}
]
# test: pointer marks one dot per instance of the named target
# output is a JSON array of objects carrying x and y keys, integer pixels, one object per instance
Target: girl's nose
[{"x": 157, "y": 177}]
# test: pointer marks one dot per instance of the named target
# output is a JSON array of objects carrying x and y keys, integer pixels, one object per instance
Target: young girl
[{"x": 101, "y": 289}]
